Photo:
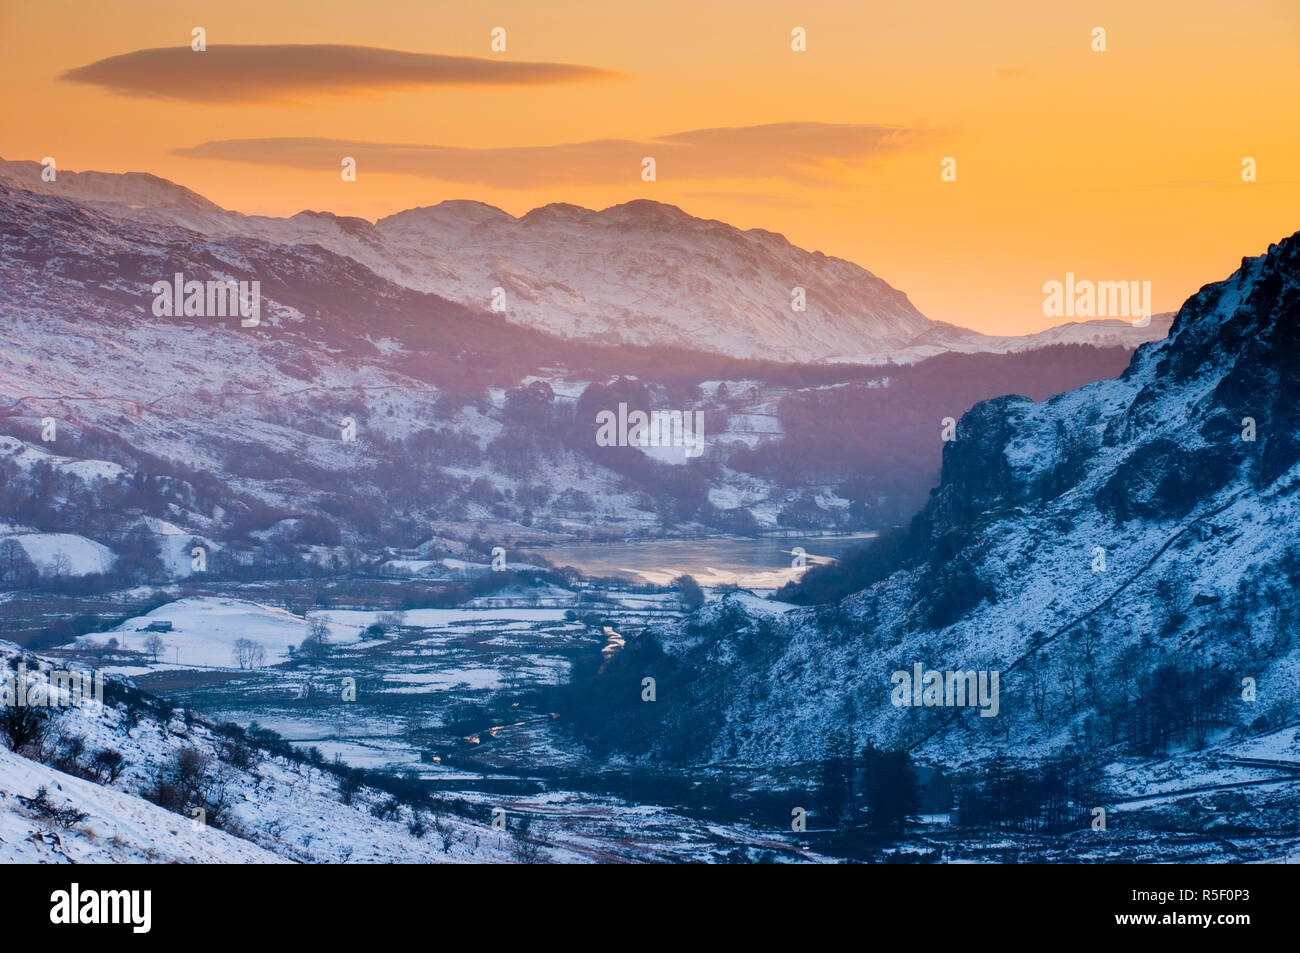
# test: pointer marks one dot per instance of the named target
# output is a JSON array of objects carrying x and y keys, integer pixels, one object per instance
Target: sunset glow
[{"x": 1124, "y": 164}]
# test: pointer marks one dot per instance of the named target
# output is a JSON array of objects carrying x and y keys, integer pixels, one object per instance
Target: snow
[
  {"x": 475, "y": 678},
  {"x": 440, "y": 618},
  {"x": 175, "y": 546},
  {"x": 206, "y": 628},
  {"x": 284, "y": 810},
  {"x": 1050, "y": 616},
  {"x": 27, "y": 455},
  {"x": 280, "y": 810},
  {"x": 65, "y": 554},
  {"x": 120, "y": 828},
  {"x": 618, "y": 275}
]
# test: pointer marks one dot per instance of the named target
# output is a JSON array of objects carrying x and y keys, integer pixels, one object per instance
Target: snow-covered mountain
[
  {"x": 640, "y": 273},
  {"x": 194, "y": 427},
  {"x": 1124, "y": 556}
]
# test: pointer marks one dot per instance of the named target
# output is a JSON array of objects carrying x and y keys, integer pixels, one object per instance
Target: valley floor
[{"x": 447, "y": 700}]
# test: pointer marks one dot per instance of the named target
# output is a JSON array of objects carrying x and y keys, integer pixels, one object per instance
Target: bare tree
[
  {"x": 61, "y": 565},
  {"x": 15, "y": 565},
  {"x": 154, "y": 645},
  {"x": 22, "y": 726},
  {"x": 108, "y": 764},
  {"x": 248, "y": 654},
  {"x": 391, "y": 621},
  {"x": 316, "y": 644}
]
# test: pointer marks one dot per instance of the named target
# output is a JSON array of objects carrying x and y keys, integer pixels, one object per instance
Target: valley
[
  {"x": 456, "y": 703},
  {"x": 372, "y": 561}
]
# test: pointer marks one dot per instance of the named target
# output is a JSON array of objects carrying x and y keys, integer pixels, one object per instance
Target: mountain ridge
[{"x": 638, "y": 272}]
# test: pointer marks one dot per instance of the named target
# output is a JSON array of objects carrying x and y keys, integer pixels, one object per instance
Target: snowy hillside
[
  {"x": 1123, "y": 555},
  {"x": 119, "y": 828},
  {"x": 61, "y": 554},
  {"x": 360, "y": 410},
  {"x": 259, "y": 806},
  {"x": 204, "y": 630}
]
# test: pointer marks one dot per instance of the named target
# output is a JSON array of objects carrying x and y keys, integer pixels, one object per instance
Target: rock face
[
  {"x": 1122, "y": 554},
  {"x": 1229, "y": 368}
]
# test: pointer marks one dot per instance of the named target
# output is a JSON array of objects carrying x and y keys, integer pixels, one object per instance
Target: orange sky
[{"x": 1121, "y": 165}]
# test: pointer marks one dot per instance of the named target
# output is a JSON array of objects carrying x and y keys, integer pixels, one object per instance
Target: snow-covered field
[
  {"x": 205, "y": 630},
  {"x": 64, "y": 554},
  {"x": 440, "y": 618}
]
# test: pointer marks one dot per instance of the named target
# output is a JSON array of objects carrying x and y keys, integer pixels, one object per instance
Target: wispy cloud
[
  {"x": 805, "y": 152},
  {"x": 244, "y": 74}
]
